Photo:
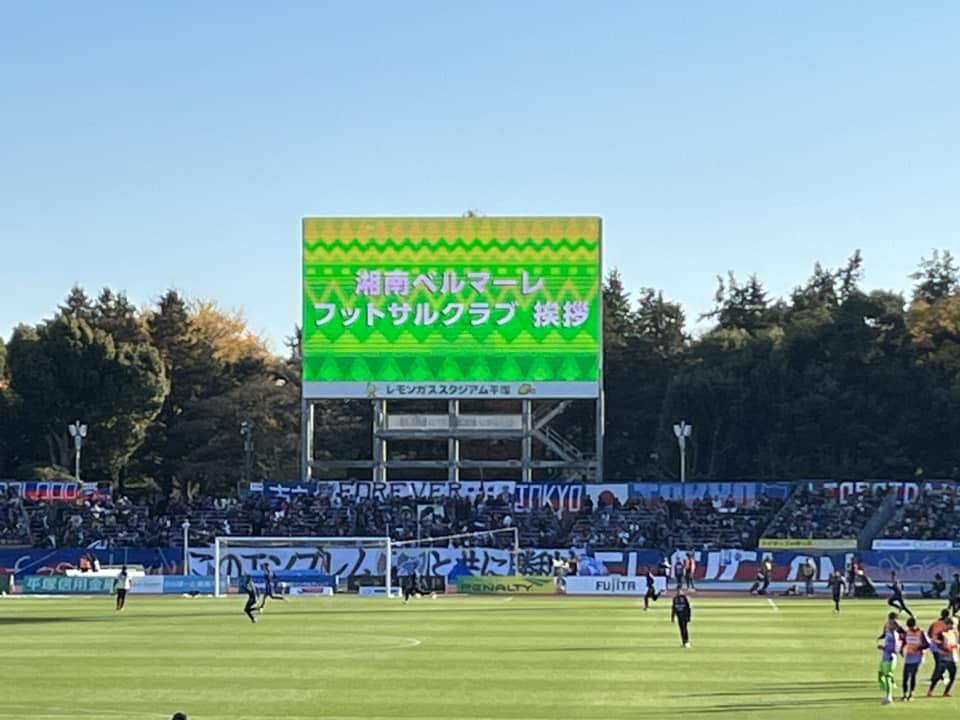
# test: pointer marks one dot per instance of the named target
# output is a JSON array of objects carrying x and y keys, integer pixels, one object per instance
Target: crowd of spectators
[
  {"x": 14, "y": 520},
  {"x": 810, "y": 514},
  {"x": 157, "y": 521},
  {"x": 931, "y": 516},
  {"x": 640, "y": 522}
]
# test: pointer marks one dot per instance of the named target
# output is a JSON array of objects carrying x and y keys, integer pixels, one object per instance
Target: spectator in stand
[{"x": 813, "y": 514}]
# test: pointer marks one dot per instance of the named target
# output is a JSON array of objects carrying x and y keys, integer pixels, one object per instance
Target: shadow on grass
[
  {"x": 800, "y": 688},
  {"x": 34, "y": 620},
  {"x": 805, "y": 704},
  {"x": 799, "y": 695}
]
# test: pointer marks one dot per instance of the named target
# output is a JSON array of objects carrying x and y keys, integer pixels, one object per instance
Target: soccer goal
[
  {"x": 235, "y": 556},
  {"x": 508, "y": 537}
]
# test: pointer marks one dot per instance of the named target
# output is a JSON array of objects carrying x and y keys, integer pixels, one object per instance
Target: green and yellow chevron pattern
[{"x": 538, "y": 277}]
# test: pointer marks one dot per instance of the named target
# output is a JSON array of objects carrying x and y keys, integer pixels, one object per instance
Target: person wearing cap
[{"x": 179, "y": 716}]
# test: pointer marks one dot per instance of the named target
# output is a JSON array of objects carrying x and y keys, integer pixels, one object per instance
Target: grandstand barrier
[
  {"x": 147, "y": 585},
  {"x": 377, "y": 591},
  {"x": 430, "y": 583},
  {"x": 726, "y": 565},
  {"x": 506, "y": 584},
  {"x": 903, "y": 544},
  {"x": 294, "y": 579},
  {"x": 610, "y": 585},
  {"x": 808, "y": 543},
  {"x": 190, "y": 585},
  {"x": 101, "y": 584},
  {"x": 110, "y": 571},
  {"x": 310, "y": 590}
]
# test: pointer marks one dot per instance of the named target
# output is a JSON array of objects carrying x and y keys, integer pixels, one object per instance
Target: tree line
[{"x": 834, "y": 381}]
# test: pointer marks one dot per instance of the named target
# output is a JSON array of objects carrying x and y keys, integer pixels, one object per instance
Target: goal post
[{"x": 222, "y": 543}]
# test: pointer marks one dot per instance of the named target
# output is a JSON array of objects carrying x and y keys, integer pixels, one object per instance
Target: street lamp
[
  {"x": 186, "y": 547},
  {"x": 78, "y": 432},
  {"x": 682, "y": 431}
]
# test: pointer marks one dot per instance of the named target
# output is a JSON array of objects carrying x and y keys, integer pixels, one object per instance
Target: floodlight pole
[
  {"x": 186, "y": 547},
  {"x": 682, "y": 431},
  {"x": 78, "y": 431}
]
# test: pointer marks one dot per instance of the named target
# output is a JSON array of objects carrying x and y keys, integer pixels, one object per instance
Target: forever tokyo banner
[
  {"x": 451, "y": 307},
  {"x": 562, "y": 496}
]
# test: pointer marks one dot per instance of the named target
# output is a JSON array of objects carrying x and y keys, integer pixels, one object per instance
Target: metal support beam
[
  {"x": 306, "y": 439},
  {"x": 379, "y": 442},
  {"x": 453, "y": 443},
  {"x": 526, "y": 443},
  {"x": 554, "y": 412},
  {"x": 571, "y": 461},
  {"x": 601, "y": 430}
]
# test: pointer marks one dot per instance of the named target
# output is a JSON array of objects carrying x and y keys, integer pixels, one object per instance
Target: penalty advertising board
[{"x": 407, "y": 308}]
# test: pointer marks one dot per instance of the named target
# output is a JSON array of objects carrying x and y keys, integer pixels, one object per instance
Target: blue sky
[{"x": 153, "y": 145}]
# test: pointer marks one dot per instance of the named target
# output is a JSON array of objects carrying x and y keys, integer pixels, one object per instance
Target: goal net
[
  {"x": 303, "y": 559},
  {"x": 369, "y": 564}
]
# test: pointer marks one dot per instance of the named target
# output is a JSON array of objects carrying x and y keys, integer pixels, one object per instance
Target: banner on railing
[
  {"x": 353, "y": 564},
  {"x": 563, "y": 497},
  {"x": 808, "y": 544},
  {"x": 147, "y": 585},
  {"x": 903, "y": 544},
  {"x": 906, "y": 493},
  {"x": 54, "y": 491}
]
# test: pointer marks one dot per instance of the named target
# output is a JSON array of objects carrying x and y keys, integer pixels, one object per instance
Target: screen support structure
[{"x": 559, "y": 457}]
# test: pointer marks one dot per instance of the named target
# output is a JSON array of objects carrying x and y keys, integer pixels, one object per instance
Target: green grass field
[{"x": 456, "y": 657}]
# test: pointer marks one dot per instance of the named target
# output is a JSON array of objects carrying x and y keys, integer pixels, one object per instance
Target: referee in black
[{"x": 680, "y": 610}]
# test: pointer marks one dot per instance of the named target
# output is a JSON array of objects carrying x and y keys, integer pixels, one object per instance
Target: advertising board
[
  {"x": 611, "y": 585},
  {"x": 511, "y": 584},
  {"x": 64, "y": 585}
]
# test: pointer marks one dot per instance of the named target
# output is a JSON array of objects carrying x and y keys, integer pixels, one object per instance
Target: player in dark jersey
[
  {"x": 269, "y": 584},
  {"x": 652, "y": 593},
  {"x": 251, "y": 590},
  {"x": 955, "y": 594},
  {"x": 681, "y": 612},
  {"x": 836, "y": 583},
  {"x": 896, "y": 595}
]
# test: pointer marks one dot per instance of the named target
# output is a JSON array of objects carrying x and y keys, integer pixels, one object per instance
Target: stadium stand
[
  {"x": 810, "y": 514},
  {"x": 932, "y": 516},
  {"x": 14, "y": 521},
  {"x": 156, "y": 521}
]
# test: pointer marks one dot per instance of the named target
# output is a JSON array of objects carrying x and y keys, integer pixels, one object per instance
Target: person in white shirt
[{"x": 122, "y": 586}]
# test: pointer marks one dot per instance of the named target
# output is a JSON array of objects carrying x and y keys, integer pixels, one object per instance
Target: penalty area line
[{"x": 773, "y": 605}]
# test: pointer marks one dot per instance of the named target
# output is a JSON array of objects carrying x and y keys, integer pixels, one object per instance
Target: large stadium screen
[{"x": 451, "y": 307}]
